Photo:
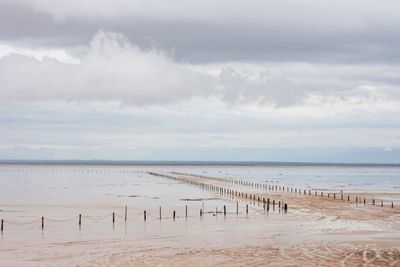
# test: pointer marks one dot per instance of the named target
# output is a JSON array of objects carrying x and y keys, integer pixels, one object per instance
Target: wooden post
[
  {"x": 2, "y": 222},
  {"x": 364, "y": 201},
  {"x": 381, "y": 203},
  {"x": 126, "y": 213},
  {"x": 42, "y": 222},
  {"x": 80, "y": 220},
  {"x": 186, "y": 211},
  {"x": 285, "y": 207},
  {"x": 348, "y": 198},
  {"x": 237, "y": 207},
  {"x": 173, "y": 215},
  {"x": 224, "y": 210},
  {"x": 144, "y": 215},
  {"x": 201, "y": 212},
  {"x": 247, "y": 208},
  {"x": 159, "y": 209},
  {"x": 113, "y": 217},
  {"x": 373, "y": 202}
]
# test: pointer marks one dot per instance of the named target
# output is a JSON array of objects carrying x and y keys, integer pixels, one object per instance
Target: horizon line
[{"x": 188, "y": 163}]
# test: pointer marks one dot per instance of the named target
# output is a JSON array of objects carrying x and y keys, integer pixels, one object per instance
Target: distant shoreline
[{"x": 190, "y": 163}]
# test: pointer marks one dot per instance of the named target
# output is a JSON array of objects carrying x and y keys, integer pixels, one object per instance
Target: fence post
[
  {"x": 113, "y": 217},
  {"x": 144, "y": 214},
  {"x": 80, "y": 220},
  {"x": 42, "y": 222},
  {"x": 186, "y": 211},
  {"x": 2, "y": 223},
  {"x": 173, "y": 215},
  {"x": 237, "y": 207},
  {"x": 247, "y": 208},
  {"x": 224, "y": 210},
  {"x": 159, "y": 209},
  {"x": 126, "y": 213}
]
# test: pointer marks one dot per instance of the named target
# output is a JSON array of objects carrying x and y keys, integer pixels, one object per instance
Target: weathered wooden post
[
  {"x": 173, "y": 215},
  {"x": 348, "y": 197},
  {"x": 144, "y": 215},
  {"x": 392, "y": 208},
  {"x": 2, "y": 223},
  {"x": 159, "y": 211},
  {"x": 247, "y": 208},
  {"x": 224, "y": 210},
  {"x": 373, "y": 202},
  {"x": 201, "y": 212},
  {"x": 381, "y": 203},
  {"x": 126, "y": 213},
  {"x": 237, "y": 207},
  {"x": 113, "y": 217},
  {"x": 285, "y": 207},
  {"x": 42, "y": 222},
  {"x": 80, "y": 220},
  {"x": 186, "y": 211}
]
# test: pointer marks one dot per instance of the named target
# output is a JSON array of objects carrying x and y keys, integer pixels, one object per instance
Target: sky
[{"x": 263, "y": 80}]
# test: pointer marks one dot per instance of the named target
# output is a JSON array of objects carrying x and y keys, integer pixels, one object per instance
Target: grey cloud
[{"x": 330, "y": 33}]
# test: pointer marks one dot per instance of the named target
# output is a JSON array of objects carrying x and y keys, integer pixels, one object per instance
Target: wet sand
[{"x": 316, "y": 231}]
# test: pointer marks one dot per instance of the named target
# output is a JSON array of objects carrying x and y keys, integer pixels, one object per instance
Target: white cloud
[
  {"x": 112, "y": 69},
  {"x": 115, "y": 70}
]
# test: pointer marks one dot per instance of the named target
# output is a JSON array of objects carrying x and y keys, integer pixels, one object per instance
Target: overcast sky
[{"x": 299, "y": 80}]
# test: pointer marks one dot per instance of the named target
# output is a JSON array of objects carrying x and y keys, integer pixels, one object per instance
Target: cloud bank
[{"x": 113, "y": 69}]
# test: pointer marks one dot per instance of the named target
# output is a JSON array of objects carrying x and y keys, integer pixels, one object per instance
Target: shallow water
[
  {"x": 77, "y": 184},
  {"x": 346, "y": 178}
]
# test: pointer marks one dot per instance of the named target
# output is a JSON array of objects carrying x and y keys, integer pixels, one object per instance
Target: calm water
[{"x": 72, "y": 184}]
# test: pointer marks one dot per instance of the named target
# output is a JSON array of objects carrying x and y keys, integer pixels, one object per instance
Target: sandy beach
[{"x": 315, "y": 230}]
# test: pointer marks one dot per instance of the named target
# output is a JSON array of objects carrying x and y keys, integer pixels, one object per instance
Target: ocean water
[
  {"x": 110, "y": 184},
  {"x": 346, "y": 178}
]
